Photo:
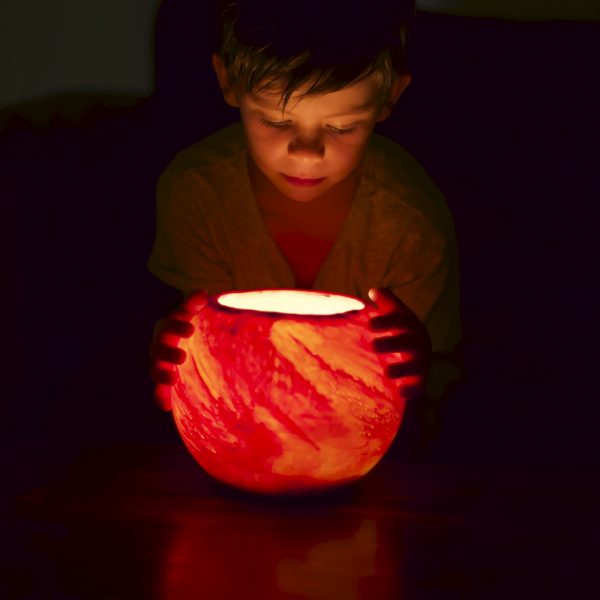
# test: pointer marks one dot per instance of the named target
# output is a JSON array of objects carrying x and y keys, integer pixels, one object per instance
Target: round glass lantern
[{"x": 281, "y": 392}]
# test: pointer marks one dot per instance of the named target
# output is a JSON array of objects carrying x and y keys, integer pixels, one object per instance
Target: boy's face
[{"x": 316, "y": 143}]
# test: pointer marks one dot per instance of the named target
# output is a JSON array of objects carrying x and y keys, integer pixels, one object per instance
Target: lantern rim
[{"x": 310, "y": 303}]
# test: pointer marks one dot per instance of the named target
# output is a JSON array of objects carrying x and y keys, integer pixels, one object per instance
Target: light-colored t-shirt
[{"x": 399, "y": 233}]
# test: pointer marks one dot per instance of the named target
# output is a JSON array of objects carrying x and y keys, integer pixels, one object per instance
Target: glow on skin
[
  {"x": 309, "y": 140},
  {"x": 318, "y": 136}
]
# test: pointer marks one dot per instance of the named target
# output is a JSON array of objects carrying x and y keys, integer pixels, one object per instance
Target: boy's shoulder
[
  {"x": 400, "y": 180},
  {"x": 394, "y": 169},
  {"x": 218, "y": 154}
]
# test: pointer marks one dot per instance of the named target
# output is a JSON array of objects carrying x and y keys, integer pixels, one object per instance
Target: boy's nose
[{"x": 309, "y": 147}]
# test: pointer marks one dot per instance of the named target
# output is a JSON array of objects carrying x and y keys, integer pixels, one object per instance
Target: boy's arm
[
  {"x": 446, "y": 365},
  {"x": 188, "y": 247},
  {"x": 187, "y": 256},
  {"x": 423, "y": 273},
  {"x": 165, "y": 348}
]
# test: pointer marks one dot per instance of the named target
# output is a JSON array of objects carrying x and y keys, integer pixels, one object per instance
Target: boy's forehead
[{"x": 355, "y": 98}]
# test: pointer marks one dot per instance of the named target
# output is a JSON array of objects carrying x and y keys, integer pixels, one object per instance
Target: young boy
[{"x": 302, "y": 193}]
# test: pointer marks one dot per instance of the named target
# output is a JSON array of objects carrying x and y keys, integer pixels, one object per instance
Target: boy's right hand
[{"x": 165, "y": 354}]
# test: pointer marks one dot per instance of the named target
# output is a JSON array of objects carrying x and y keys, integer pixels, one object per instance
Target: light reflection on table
[{"x": 146, "y": 522}]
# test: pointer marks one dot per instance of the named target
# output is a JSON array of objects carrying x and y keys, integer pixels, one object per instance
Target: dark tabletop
[{"x": 144, "y": 521}]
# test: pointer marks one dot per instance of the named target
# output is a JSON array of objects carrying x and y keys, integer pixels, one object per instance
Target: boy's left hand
[{"x": 406, "y": 336}]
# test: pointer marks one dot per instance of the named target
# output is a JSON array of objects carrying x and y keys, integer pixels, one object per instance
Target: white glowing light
[{"x": 291, "y": 302}]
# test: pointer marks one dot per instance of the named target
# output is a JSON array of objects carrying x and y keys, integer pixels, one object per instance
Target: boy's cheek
[{"x": 260, "y": 135}]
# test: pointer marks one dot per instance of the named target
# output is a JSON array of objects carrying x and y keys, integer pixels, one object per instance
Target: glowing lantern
[{"x": 281, "y": 392}]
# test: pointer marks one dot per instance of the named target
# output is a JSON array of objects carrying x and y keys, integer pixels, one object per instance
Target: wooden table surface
[{"x": 146, "y": 522}]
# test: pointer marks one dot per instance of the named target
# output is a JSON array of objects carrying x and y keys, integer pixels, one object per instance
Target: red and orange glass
[{"x": 281, "y": 392}]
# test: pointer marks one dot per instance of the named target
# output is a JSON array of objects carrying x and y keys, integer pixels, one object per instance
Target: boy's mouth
[{"x": 302, "y": 182}]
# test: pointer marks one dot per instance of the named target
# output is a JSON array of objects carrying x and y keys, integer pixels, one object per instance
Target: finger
[
  {"x": 411, "y": 368},
  {"x": 195, "y": 302},
  {"x": 405, "y": 342},
  {"x": 162, "y": 396},
  {"x": 384, "y": 299},
  {"x": 163, "y": 376},
  {"x": 167, "y": 345},
  {"x": 411, "y": 392},
  {"x": 178, "y": 327},
  {"x": 393, "y": 320},
  {"x": 175, "y": 356}
]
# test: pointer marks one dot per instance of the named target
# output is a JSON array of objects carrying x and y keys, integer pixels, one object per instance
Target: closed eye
[
  {"x": 346, "y": 131},
  {"x": 286, "y": 124},
  {"x": 275, "y": 124}
]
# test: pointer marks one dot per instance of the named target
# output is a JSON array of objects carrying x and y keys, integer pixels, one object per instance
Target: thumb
[
  {"x": 195, "y": 302},
  {"x": 385, "y": 300},
  {"x": 162, "y": 396}
]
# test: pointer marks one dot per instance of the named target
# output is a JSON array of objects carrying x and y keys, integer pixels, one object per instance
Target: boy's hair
[{"x": 278, "y": 47}]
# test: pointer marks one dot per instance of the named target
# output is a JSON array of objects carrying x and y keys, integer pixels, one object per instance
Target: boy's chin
[{"x": 303, "y": 197}]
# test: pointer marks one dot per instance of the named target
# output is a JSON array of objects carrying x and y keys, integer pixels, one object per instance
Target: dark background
[{"x": 504, "y": 116}]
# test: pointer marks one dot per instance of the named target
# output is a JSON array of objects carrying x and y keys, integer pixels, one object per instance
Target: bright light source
[{"x": 291, "y": 302}]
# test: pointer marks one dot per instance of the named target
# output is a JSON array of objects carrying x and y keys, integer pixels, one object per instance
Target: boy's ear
[
  {"x": 229, "y": 94},
  {"x": 399, "y": 84}
]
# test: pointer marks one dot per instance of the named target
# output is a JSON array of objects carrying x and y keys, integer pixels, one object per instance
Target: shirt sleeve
[
  {"x": 188, "y": 250},
  {"x": 423, "y": 273},
  {"x": 422, "y": 260}
]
